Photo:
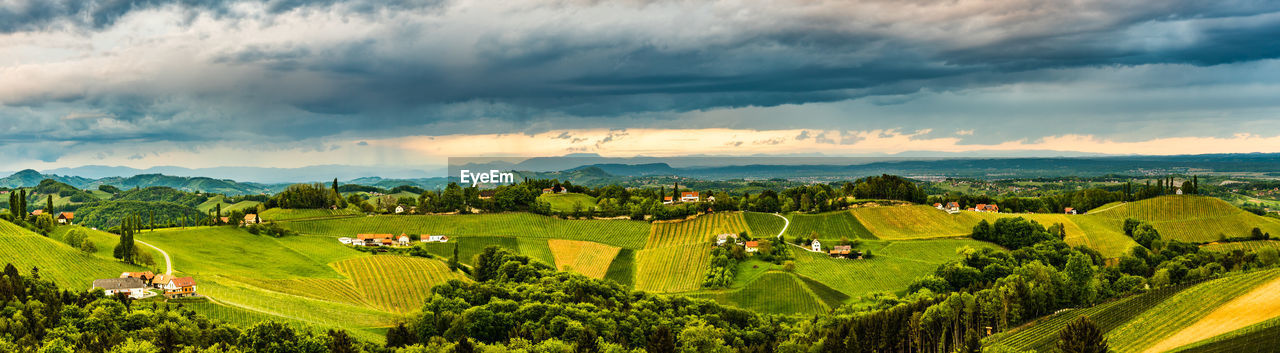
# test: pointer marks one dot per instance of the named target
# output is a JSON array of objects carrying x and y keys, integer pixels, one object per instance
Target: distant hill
[
  {"x": 191, "y": 184},
  {"x": 30, "y": 178}
]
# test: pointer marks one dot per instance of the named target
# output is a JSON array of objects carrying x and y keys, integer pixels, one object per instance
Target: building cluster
[
  {"x": 139, "y": 285},
  {"x": 375, "y": 240}
]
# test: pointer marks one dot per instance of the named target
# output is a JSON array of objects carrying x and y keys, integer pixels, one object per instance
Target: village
[{"x": 142, "y": 285}]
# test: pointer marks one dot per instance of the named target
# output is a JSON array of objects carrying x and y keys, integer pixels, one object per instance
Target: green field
[
  {"x": 469, "y": 247},
  {"x": 620, "y": 233},
  {"x": 587, "y": 258},
  {"x": 397, "y": 284},
  {"x": 892, "y": 267},
  {"x": 1041, "y": 335},
  {"x": 1181, "y": 310},
  {"x": 763, "y": 224},
  {"x": 828, "y": 226},
  {"x": 676, "y": 268},
  {"x": 67, "y": 267},
  {"x": 106, "y": 243},
  {"x": 566, "y": 202},
  {"x": 227, "y": 206},
  {"x": 1191, "y": 218},
  {"x": 1265, "y": 334},
  {"x": 773, "y": 292},
  {"x": 287, "y": 214},
  {"x": 1252, "y": 245},
  {"x": 911, "y": 222},
  {"x": 623, "y": 268},
  {"x": 702, "y": 229}
]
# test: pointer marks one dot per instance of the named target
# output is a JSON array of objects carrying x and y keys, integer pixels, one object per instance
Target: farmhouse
[
  {"x": 399, "y": 209},
  {"x": 160, "y": 280},
  {"x": 937, "y": 206},
  {"x": 435, "y": 239},
  {"x": 252, "y": 219},
  {"x": 816, "y": 246},
  {"x": 953, "y": 206},
  {"x": 845, "y": 251},
  {"x": 37, "y": 212},
  {"x": 225, "y": 220},
  {"x": 66, "y": 217},
  {"x": 487, "y": 194},
  {"x": 403, "y": 240},
  {"x": 724, "y": 238},
  {"x": 666, "y": 200},
  {"x": 132, "y": 287},
  {"x": 373, "y": 239},
  {"x": 991, "y": 208},
  {"x": 1070, "y": 210},
  {"x": 145, "y": 276},
  {"x": 753, "y": 246},
  {"x": 180, "y": 287},
  {"x": 345, "y": 240},
  {"x": 546, "y": 190},
  {"x": 689, "y": 196}
]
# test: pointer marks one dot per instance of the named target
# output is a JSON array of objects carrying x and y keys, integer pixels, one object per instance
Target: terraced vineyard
[
  {"x": 623, "y": 268},
  {"x": 1252, "y": 245},
  {"x": 829, "y": 226},
  {"x": 537, "y": 249},
  {"x": 397, "y": 284},
  {"x": 763, "y": 224},
  {"x": 1103, "y": 235},
  {"x": 469, "y": 247},
  {"x": 773, "y": 292},
  {"x": 67, "y": 267},
  {"x": 1266, "y": 334},
  {"x": 702, "y": 229},
  {"x": 587, "y": 258},
  {"x": 1192, "y": 218},
  {"x": 1042, "y": 335},
  {"x": 287, "y": 214},
  {"x": 1182, "y": 310},
  {"x": 620, "y": 233},
  {"x": 677, "y": 268}
]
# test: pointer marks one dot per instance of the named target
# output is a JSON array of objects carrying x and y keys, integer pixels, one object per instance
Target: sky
[{"x": 292, "y": 83}]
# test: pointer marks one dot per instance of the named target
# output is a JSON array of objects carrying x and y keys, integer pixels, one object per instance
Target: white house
[
  {"x": 403, "y": 240},
  {"x": 252, "y": 218},
  {"x": 130, "y": 286},
  {"x": 399, "y": 209},
  {"x": 817, "y": 246},
  {"x": 753, "y": 246},
  {"x": 435, "y": 239},
  {"x": 1070, "y": 210},
  {"x": 179, "y": 287},
  {"x": 689, "y": 196},
  {"x": 937, "y": 206},
  {"x": 345, "y": 240},
  {"x": 724, "y": 238}
]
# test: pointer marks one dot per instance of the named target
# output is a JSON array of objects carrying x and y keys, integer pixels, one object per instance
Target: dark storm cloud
[{"x": 421, "y": 63}]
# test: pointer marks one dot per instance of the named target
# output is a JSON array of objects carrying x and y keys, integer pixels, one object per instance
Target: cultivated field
[
  {"x": 587, "y": 258},
  {"x": 1252, "y": 245},
  {"x": 773, "y": 292},
  {"x": 1260, "y": 304},
  {"x": 398, "y": 284},
  {"x": 1042, "y": 335},
  {"x": 676, "y": 268},
  {"x": 892, "y": 267},
  {"x": 1182, "y": 310},
  {"x": 829, "y": 226},
  {"x": 57, "y": 261},
  {"x": 287, "y": 214},
  {"x": 1192, "y": 218},
  {"x": 917, "y": 221},
  {"x": 620, "y": 233},
  {"x": 702, "y": 229},
  {"x": 763, "y": 224},
  {"x": 106, "y": 243},
  {"x": 566, "y": 202}
]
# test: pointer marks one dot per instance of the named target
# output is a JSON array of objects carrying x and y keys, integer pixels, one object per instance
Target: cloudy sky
[{"x": 290, "y": 83}]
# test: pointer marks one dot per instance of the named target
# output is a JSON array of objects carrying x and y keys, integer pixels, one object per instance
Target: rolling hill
[{"x": 1191, "y": 218}]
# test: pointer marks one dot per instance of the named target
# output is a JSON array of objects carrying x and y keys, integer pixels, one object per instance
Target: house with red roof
[
  {"x": 178, "y": 287},
  {"x": 66, "y": 217}
]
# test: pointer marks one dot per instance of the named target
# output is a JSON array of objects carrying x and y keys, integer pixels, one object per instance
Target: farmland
[
  {"x": 910, "y": 222},
  {"x": 396, "y": 283},
  {"x": 286, "y": 214},
  {"x": 57, "y": 261},
  {"x": 587, "y": 258},
  {"x": 1191, "y": 218},
  {"x": 676, "y": 268},
  {"x": 620, "y": 233},
  {"x": 1182, "y": 310},
  {"x": 105, "y": 242},
  {"x": 469, "y": 247},
  {"x": 828, "y": 226},
  {"x": 227, "y": 205},
  {"x": 1251, "y": 245},
  {"x": 893, "y": 266},
  {"x": 763, "y": 224},
  {"x": 1041, "y": 335},
  {"x": 1258, "y": 305},
  {"x": 567, "y": 202},
  {"x": 773, "y": 292},
  {"x": 698, "y": 230}
]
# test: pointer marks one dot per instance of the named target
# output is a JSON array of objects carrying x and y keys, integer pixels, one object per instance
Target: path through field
[
  {"x": 1260, "y": 304},
  {"x": 168, "y": 263},
  {"x": 784, "y": 225}
]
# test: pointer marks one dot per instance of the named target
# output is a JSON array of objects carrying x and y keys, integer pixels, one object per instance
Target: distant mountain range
[
  {"x": 257, "y": 174},
  {"x": 30, "y": 178}
]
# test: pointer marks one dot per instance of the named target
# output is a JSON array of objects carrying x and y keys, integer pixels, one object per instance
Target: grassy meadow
[{"x": 566, "y": 202}]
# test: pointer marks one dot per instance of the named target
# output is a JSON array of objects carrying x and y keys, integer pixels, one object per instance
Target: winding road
[
  {"x": 784, "y": 225},
  {"x": 168, "y": 263}
]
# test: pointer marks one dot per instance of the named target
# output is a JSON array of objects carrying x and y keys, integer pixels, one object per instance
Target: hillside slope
[{"x": 1191, "y": 218}]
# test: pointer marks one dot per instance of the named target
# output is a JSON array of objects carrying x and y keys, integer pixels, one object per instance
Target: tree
[
  {"x": 1082, "y": 336},
  {"x": 972, "y": 344},
  {"x": 464, "y": 346},
  {"x": 453, "y": 261},
  {"x": 1130, "y": 225},
  {"x": 87, "y": 247},
  {"x": 48, "y": 205},
  {"x": 661, "y": 341},
  {"x": 399, "y": 336},
  {"x": 340, "y": 341}
]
